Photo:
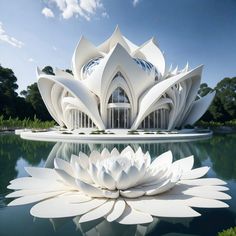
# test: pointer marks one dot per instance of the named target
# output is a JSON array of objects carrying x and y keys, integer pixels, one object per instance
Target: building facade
[{"x": 119, "y": 85}]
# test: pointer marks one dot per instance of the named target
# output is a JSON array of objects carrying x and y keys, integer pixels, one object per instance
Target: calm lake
[{"x": 218, "y": 152}]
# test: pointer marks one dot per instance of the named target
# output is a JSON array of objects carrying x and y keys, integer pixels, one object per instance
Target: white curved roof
[
  {"x": 75, "y": 88},
  {"x": 152, "y": 96},
  {"x": 142, "y": 75}
]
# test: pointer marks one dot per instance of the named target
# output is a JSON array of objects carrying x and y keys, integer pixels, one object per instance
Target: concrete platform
[{"x": 118, "y": 136}]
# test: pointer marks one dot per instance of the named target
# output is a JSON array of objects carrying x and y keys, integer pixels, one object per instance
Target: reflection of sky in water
[
  {"x": 218, "y": 153},
  {"x": 21, "y": 163}
]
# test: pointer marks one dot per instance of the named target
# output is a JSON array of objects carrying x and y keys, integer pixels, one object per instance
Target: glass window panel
[{"x": 118, "y": 96}]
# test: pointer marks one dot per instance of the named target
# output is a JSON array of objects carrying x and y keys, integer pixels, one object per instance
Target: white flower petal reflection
[{"x": 125, "y": 187}]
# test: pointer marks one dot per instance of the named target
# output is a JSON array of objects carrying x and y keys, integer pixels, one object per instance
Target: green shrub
[
  {"x": 188, "y": 126},
  {"x": 16, "y": 123},
  {"x": 228, "y": 232},
  {"x": 65, "y": 132},
  {"x": 133, "y": 132}
]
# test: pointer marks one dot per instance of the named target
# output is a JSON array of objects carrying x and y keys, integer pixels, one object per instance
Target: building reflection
[
  {"x": 102, "y": 227},
  {"x": 179, "y": 150}
]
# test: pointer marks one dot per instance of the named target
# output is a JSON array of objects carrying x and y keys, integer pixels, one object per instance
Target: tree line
[{"x": 29, "y": 104}]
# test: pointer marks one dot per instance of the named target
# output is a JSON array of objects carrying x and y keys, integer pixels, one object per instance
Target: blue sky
[{"x": 39, "y": 33}]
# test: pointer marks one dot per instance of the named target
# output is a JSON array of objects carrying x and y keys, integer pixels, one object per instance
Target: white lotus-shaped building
[
  {"x": 125, "y": 187},
  {"x": 121, "y": 85}
]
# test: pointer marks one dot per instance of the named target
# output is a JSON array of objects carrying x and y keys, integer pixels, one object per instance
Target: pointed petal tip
[{"x": 38, "y": 71}]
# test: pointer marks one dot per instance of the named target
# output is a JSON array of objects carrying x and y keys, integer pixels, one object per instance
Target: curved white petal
[
  {"x": 186, "y": 164},
  {"x": 205, "y": 202},
  {"x": 105, "y": 153},
  {"x": 199, "y": 108},
  {"x": 154, "y": 94},
  {"x": 34, "y": 198},
  {"x": 153, "y": 54},
  {"x": 131, "y": 216},
  {"x": 203, "y": 181},
  {"x": 44, "y": 173},
  {"x": 114, "y": 152},
  {"x": 159, "y": 208},
  {"x": 64, "y": 165},
  {"x": 107, "y": 180},
  {"x": 128, "y": 149},
  {"x": 28, "y": 192},
  {"x": 97, "y": 213},
  {"x": 207, "y": 194},
  {"x": 34, "y": 183},
  {"x": 195, "y": 173},
  {"x": 165, "y": 159},
  {"x": 115, "y": 38},
  {"x": 68, "y": 179},
  {"x": 85, "y": 99},
  {"x": 117, "y": 210},
  {"x": 89, "y": 189},
  {"x": 83, "y": 53},
  {"x": 83, "y": 174},
  {"x": 82, "y": 160},
  {"x": 132, "y": 193},
  {"x": 60, "y": 207}
]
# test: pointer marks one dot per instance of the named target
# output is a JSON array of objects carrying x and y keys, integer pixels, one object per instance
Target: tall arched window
[
  {"x": 156, "y": 120},
  {"x": 118, "y": 109}
]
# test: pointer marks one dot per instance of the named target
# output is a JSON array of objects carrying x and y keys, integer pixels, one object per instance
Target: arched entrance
[{"x": 118, "y": 110}]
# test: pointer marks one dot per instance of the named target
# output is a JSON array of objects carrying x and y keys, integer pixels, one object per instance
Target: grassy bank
[
  {"x": 16, "y": 123},
  {"x": 214, "y": 124}
]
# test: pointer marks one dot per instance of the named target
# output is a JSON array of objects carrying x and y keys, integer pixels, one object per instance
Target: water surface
[{"x": 219, "y": 153}]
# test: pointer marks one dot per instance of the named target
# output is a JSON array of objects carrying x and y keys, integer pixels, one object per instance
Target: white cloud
[
  {"x": 54, "y": 48},
  {"x": 47, "y": 12},
  {"x": 135, "y": 2},
  {"x": 31, "y": 60},
  {"x": 105, "y": 15},
  {"x": 78, "y": 8},
  {"x": 4, "y": 37}
]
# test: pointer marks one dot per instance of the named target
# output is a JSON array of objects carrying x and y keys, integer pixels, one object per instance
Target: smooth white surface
[{"x": 117, "y": 137}]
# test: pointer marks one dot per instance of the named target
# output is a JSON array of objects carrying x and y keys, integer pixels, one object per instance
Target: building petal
[
  {"x": 85, "y": 99},
  {"x": 115, "y": 38},
  {"x": 154, "y": 94},
  {"x": 82, "y": 54},
  {"x": 150, "y": 52},
  {"x": 198, "y": 109}
]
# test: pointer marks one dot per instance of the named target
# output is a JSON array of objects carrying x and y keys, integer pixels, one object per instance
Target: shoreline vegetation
[{"x": 12, "y": 124}]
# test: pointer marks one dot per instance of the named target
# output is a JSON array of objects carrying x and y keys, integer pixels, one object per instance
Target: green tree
[
  {"x": 33, "y": 98},
  {"x": 48, "y": 70},
  {"x": 223, "y": 107},
  {"x": 8, "y": 94},
  {"x": 69, "y": 71},
  {"x": 204, "y": 90}
]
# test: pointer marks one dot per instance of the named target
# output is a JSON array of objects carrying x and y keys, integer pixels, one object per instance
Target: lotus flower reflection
[{"x": 126, "y": 187}]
